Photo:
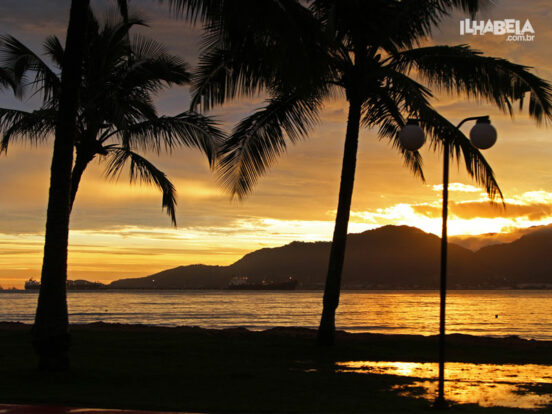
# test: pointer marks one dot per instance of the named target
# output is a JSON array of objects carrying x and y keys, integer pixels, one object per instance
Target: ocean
[{"x": 498, "y": 313}]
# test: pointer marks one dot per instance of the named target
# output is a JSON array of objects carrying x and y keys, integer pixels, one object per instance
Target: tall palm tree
[
  {"x": 51, "y": 338},
  {"x": 115, "y": 114},
  {"x": 368, "y": 51}
]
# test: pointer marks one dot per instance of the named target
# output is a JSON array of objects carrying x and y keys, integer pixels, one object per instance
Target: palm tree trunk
[
  {"x": 81, "y": 162},
  {"x": 50, "y": 333},
  {"x": 326, "y": 331}
]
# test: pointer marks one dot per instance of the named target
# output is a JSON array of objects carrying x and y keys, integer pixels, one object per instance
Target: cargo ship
[
  {"x": 32, "y": 284},
  {"x": 243, "y": 283}
]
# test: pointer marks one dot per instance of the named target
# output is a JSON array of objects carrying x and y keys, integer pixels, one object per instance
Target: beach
[{"x": 237, "y": 370}]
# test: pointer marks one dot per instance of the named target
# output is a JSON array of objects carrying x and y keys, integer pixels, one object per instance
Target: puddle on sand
[{"x": 484, "y": 384}]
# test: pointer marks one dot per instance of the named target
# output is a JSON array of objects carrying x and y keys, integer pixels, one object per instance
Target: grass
[{"x": 199, "y": 370}]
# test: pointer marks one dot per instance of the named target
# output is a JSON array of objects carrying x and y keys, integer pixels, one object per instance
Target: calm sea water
[{"x": 527, "y": 314}]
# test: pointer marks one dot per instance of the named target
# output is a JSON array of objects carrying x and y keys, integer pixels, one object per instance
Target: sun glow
[
  {"x": 114, "y": 251},
  {"x": 467, "y": 217}
]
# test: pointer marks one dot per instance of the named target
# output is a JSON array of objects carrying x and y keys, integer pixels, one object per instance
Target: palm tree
[
  {"x": 116, "y": 112},
  {"x": 51, "y": 337},
  {"x": 367, "y": 51},
  {"x": 115, "y": 119}
]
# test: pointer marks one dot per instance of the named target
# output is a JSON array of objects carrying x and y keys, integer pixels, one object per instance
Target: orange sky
[{"x": 119, "y": 230}]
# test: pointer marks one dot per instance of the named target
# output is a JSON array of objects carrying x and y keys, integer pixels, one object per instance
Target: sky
[{"x": 118, "y": 230}]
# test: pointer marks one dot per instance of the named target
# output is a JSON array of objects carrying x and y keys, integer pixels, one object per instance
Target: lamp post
[{"x": 412, "y": 137}]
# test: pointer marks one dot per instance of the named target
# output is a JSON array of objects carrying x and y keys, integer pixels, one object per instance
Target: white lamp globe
[
  {"x": 483, "y": 134},
  {"x": 412, "y": 137}
]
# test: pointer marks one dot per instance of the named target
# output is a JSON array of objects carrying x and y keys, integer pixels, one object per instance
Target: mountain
[
  {"x": 524, "y": 261},
  {"x": 391, "y": 257},
  {"x": 182, "y": 277},
  {"x": 476, "y": 242}
]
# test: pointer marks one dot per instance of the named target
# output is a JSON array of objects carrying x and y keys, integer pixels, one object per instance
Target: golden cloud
[{"x": 482, "y": 209}]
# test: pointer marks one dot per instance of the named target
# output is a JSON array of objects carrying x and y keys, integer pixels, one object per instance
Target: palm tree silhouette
[
  {"x": 369, "y": 52},
  {"x": 116, "y": 117},
  {"x": 116, "y": 112},
  {"x": 51, "y": 339}
]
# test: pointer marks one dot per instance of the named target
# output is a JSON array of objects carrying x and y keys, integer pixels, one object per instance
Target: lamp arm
[{"x": 472, "y": 118}]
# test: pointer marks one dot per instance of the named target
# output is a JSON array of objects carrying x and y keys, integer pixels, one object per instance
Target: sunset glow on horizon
[{"x": 133, "y": 251}]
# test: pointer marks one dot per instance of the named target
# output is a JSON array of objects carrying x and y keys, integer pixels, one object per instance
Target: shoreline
[{"x": 461, "y": 347}]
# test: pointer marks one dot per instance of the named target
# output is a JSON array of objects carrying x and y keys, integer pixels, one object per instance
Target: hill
[
  {"x": 525, "y": 261},
  {"x": 182, "y": 277},
  {"x": 387, "y": 257},
  {"x": 390, "y": 257}
]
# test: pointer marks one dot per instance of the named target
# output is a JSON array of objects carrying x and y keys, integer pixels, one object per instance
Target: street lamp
[{"x": 412, "y": 137}]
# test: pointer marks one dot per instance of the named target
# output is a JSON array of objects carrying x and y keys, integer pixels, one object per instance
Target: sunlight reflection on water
[
  {"x": 490, "y": 313},
  {"x": 487, "y": 385}
]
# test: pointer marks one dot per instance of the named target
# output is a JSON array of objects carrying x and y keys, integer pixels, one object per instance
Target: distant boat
[
  {"x": 243, "y": 283},
  {"x": 71, "y": 285},
  {"x": 32, "y": 284}
]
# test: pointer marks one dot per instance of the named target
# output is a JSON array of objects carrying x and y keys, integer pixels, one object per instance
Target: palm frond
[
  {"x": 259, "y": 139},
  {"x": 412, "y": 99},
  {"x": 28, "y": 69},
  {"x": 153, "y": 67},
  {"x": 443, "y": 132},
  {"x": 143, "y": 171},
  {"x": 220, "y": 77},
  {"x": 146, "y": 48},
  {"x": 459, "y": 69},
  {"x": 7, "y": 81},
  {"x": 118, "y": 33},
  {"x": 123, "y": 110},
  {"x": 246, "y": 52},
  {"x": 414, "y": 20},
  {"x": 197, "y": 10},
  {"x": 385, "y": 112},
  {"x": 33, "y": 127},
  {"x": 386, "y": 24},
  {"x": 53, "y": 48},
  {"x": 167, "y": 132},
  {"x": 123, "y": 9}
]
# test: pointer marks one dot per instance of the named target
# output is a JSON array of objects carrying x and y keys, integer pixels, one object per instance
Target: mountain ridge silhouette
[{"x": 389, "y": 257}]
